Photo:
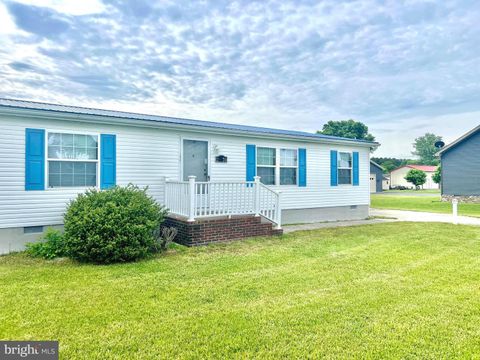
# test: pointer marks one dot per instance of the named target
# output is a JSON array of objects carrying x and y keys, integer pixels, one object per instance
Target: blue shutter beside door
[
  {"x": 333, "y": 168},
  {"x": 34, "y": 159},
  {"x": 251, "y": 162},
  {"x": 302, "y": 167},
  {"x": 355, "y": 169},
  {"x": 108, "y": 161}
]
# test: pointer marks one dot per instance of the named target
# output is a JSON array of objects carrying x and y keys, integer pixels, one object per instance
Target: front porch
[{"x": 205, "y": 212}]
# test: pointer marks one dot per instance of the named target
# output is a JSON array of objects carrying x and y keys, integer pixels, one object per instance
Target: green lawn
[
  {"x": 421, "y": 203},
  {"x": 398, "y": 290}
]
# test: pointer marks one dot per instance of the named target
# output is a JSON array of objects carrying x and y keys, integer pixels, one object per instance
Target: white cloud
[
  {"x": 7, "y": 26},
  {"x": 401, "y": 69},
  {"x": 397, "y": 137},
  {"x": 69, "y": 7}
]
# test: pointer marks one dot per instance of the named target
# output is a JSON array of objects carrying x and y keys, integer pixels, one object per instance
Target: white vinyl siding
[{"x": 146, "y": 156}]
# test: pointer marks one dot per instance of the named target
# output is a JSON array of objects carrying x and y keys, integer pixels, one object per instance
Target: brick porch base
[{"x": 206, "y": 231}]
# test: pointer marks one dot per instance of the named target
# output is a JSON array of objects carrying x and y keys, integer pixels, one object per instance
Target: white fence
[{"x": 207, "y": 199}]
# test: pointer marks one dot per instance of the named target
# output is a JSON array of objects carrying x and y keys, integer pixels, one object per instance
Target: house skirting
[
  {"x": 462, "y": 198},
  {"x": 212, "y": 230},
  {"x": 14, "y": 239}
]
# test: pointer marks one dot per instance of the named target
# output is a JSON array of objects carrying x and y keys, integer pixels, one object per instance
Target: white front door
[{"x": 373, "y": 183}]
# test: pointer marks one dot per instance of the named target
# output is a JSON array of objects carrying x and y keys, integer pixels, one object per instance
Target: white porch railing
[{"x": 194, "y": 200}]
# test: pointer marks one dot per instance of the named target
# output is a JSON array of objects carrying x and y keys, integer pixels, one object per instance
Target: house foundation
[{"x": 474, "y": 199}]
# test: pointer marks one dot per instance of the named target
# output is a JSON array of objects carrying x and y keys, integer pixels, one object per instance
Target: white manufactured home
[{"x": 200, "y": 170}]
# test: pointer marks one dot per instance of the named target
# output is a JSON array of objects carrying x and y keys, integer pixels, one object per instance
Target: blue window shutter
[
  {"x": 251, "y": 162},
  {"x": 355, "y": 169},
  {"x": 108, "y": 161},
  {"x": 302, "y": 167},
  {"x": 333, "y": 168},
  {"x": 34, "y": 159}
]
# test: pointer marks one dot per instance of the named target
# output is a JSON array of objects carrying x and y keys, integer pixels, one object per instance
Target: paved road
[{"x": 418, "y": 216}]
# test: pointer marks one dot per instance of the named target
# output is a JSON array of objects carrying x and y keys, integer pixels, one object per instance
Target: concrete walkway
[
  {"x": 332, "y": 224},
  {"x": 389, "y": 216},
  {"x": 418, "y": 216}
]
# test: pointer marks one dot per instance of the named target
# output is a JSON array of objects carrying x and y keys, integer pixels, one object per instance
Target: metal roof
[
  {"x": 426, "y": 168},
  {"x": 33, "y": 105},
  {"x": 377, "y": 165},
  {"x": 459, "y": 140}
]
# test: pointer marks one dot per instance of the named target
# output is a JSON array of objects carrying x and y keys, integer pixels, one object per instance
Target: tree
[
  {"x": 437, "y": 177},
  {"x": 390, "y": 164},
  {"x": 416, "y": 177},
  {"x": 424, "y": 148},
  {"x": 347, "y": 128}
]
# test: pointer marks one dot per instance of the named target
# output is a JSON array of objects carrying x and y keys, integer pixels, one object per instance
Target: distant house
[
  {"x": 461, "y": 167},
  {"x": 376, "y": 177},
  {"x": 397, "y": 176},
  {"x": 386, "y": 182}
]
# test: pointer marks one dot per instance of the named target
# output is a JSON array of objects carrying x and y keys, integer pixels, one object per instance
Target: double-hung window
[
  {"x": 275, "y": 172},
  {"x": 266, "y": 165},
  {"x": 72, "y": 160},
  {"x": 288, "y": 167},
  {"x": 344, "y": 168}
]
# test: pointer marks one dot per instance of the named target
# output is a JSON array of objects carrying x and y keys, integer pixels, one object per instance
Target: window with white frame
[
  {"x": 274, "y": 172},
  {"x": 288, "y": 167},
  {"x": 344, "y": 168},
  {"x": 72, "y": 160},
  {"x": 266, "y": 165}
]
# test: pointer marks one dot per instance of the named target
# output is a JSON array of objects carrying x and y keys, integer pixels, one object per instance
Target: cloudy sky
[{"x": 401, "y": 67}]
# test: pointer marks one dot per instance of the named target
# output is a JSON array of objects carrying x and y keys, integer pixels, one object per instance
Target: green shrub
[
  {"x": 116, "y": 225},
  {"x": 416, "y": 177},
  {"x": 50, "y": 246}
]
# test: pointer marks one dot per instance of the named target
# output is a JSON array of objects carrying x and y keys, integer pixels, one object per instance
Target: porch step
[{"x": 207, "y": 231}]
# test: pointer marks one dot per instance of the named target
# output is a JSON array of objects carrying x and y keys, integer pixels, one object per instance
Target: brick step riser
[{"x": 204, "y": 232}]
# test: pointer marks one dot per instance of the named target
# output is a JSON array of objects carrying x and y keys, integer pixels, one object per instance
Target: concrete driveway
[
  {"x": 387, "y": 216},
  {"x": 417, "y": 216}
]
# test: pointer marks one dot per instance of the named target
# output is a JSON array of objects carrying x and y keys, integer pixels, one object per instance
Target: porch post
[
  {"x": 256, "y": 179},
  {"x": 278, "y": 213},
  {"x": 191, "y": 196},
  {"x": 166, "y": 199}
]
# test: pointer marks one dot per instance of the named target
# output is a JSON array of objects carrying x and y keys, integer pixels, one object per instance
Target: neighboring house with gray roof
[
  {"x": 376, "y": 177},
  {"x": 461, "y": 167},
  {"x": 200, "y": 170}
]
